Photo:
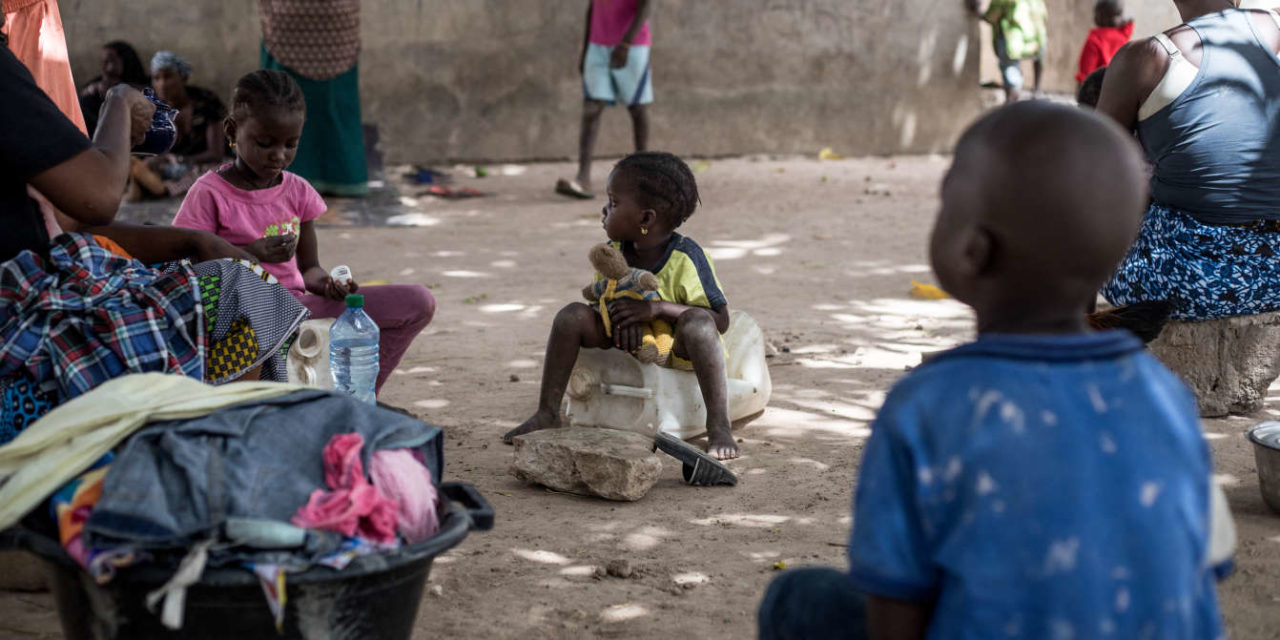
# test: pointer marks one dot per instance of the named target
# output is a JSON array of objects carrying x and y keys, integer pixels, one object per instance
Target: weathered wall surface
[{"x": 496, "y": 79}]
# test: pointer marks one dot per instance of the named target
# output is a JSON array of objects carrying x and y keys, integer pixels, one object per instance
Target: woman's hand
[
  {"x": 626, "y": 312},
  {"x": 141, "y": 110},
  {"x": 274, "y": 249},
  {"x": 335, "y": 290},
  {"x": 211, "y": 247}
]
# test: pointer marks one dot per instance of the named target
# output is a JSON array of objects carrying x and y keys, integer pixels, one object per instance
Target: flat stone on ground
[
  {"x": 611, "y": 464},
  {"x": 1229, "y": 362}
]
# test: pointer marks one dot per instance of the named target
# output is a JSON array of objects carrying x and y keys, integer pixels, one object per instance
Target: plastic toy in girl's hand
[
  {"x": 341, "y": 273},
  {"x": 163, "y": 132}
]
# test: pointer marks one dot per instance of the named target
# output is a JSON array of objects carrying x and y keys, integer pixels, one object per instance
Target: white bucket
[
  {"x": 308, "y": 359},
  {"x": 609, "y": 388}
]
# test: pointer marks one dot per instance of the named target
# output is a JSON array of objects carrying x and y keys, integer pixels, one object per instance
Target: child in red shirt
[{"x": 1113, "y": 30}]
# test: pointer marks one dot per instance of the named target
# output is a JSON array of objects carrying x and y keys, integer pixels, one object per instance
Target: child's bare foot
[
  {"x": 720, "y": 444},
  {"x": 539, "y": 421}
]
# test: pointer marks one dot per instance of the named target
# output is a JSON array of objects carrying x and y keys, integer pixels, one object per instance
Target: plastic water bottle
[{"x": 353, "y": 351}]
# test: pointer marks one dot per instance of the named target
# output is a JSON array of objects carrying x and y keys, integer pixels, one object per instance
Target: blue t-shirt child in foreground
[{"x": 1043, "y": 481}]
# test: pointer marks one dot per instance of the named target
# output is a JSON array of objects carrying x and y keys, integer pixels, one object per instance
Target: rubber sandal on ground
[
  {"x": 572, "y": 189},
  {"x": 426, "y": 175},
  {"x": 700, "y": 469}
]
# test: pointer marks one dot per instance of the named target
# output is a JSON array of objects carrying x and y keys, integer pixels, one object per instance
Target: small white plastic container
[
  {"x": 341, "y": 274},
  {"x": 609, "y": 388}
]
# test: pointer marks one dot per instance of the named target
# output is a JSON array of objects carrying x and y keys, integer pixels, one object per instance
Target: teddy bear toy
[{"x": 621, "y": 281}]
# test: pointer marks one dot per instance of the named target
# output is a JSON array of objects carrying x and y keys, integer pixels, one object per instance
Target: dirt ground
[{"x": 822, "y": 254}]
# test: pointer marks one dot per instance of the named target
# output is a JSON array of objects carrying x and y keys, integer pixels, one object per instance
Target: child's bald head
[{"x": 1041, "y": 203}]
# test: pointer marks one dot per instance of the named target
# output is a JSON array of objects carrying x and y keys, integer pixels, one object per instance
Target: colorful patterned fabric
[
  {"x": 319, "y": 39},
  {"x": 22, "y": 402},
  {"x": 85, "y": 315},
  {"x": 237, "y": 352},
  {"x": 71, "y": 507},
  {"x": 1206, "y": 271},
  {"x": 249, "y": 320}
]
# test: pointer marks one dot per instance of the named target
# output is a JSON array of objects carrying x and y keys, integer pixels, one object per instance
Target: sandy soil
[{"x": 822, "y": 254}]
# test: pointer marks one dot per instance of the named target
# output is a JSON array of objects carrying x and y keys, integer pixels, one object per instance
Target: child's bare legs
[
  {"x": 640, "y": 125},
  {"x": 591, "y": 111},
  {"x": 698, "y": 340},
  {"x": 575, "y": 327}
]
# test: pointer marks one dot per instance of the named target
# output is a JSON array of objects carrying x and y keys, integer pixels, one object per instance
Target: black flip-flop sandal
[{"x": 700, "y": 469}]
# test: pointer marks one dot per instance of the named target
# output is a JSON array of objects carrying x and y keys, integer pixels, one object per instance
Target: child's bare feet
[
  {"x": 720, "y": 443},
  {"x": 539, "y": 421}
]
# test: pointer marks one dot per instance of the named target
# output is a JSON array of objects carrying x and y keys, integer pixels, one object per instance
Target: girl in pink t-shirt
[{"x": 255, "y": 204}]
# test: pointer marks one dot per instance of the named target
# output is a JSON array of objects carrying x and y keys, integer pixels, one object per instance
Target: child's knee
[
  {"x": 591, "y": 109},
  {"x": 696, "y": 326},
  {"x": 574, "y": 317},
  {"x": 422, "y": 302}
]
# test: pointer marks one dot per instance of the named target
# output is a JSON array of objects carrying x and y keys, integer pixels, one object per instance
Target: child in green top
[{"x": 1020, "y": 32}]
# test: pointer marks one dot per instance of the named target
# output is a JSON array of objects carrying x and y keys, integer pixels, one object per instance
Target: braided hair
[
  {"x": 665, "y": 181},
  {"x": 266, "y": 88}
]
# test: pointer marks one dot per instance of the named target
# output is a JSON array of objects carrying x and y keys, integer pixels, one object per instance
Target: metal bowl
[{"x": 1266, "y": 452}]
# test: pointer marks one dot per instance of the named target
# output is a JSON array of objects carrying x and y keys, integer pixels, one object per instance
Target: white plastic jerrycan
[
  {"x": 308, "y": 359},
  {"x": 609, "y": 388}
]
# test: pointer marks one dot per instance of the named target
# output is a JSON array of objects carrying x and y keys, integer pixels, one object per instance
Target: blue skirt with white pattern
[{"x": 1206, "y": 271}]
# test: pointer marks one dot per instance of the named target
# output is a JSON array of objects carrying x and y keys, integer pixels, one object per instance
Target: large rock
[
  {"x": 612, "y": 464},
  {"x": 1229, "y": 362}
]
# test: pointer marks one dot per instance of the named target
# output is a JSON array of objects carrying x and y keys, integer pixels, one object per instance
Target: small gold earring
[
  {"x": 644, "y": 231},
  {"x": 233, "y": 144}
]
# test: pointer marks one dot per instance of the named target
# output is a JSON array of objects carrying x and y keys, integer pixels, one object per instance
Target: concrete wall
[{"x": 496, "y": 79}]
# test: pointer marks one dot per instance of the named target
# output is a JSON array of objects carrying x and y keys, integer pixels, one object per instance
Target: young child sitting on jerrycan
[
  {"x": 650, "y": 195},
  {"x": 1043, "y": 481}
]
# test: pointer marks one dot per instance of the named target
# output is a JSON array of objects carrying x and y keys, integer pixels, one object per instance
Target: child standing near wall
[
  {"x": 1112, "y": 30},
  {"x": 1043, "y": 481},
  {"x": 615, "y": 70},
  {"x": 255, "y": 204},
  {"x": 1020, "y": 31}
]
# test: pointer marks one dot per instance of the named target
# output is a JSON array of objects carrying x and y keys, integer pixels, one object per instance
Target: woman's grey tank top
[{"x": 1216, "y": 148}]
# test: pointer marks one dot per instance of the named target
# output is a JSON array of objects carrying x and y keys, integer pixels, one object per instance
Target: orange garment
[
  {"x": 36, "y": 38},
  {"x": 110, "y": 245}
]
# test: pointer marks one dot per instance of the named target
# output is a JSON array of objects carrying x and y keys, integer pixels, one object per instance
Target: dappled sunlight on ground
[
  {"x": 544, "y": 557},
  {"x": 742, "y": 520},
  {"x": 766, "y": 247},
  {"x": 434, "y": 403},
  {"x": 623, "y": 612}
]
